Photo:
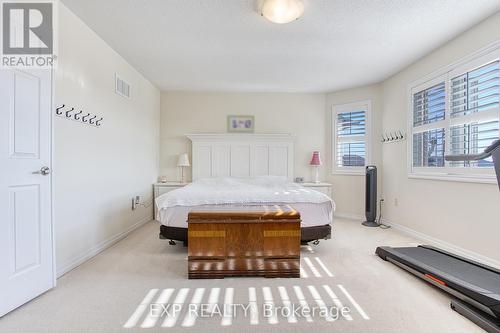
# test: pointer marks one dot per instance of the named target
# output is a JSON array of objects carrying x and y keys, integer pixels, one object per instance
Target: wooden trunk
[{"x": 244, "y": 241}]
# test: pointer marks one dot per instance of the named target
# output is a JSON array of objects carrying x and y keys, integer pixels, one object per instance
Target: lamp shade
[
  {"x": 316, "y": 159},
  {"x": 183, "y": 160}
]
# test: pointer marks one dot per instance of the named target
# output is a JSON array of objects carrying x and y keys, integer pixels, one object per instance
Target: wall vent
[{"x": 122, "y": 87}]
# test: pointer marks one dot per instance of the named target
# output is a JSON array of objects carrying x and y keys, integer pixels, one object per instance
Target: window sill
[
  {"x": 360, "y": 172},
  {"x": 480, "y": 179}
]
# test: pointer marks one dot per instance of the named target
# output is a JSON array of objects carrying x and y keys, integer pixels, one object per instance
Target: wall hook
[
  {"x": 91, "y": 120},
  {"x": 59, "y": 108},
  {"x": 84, "y": 118},
  {"x": 98, "y": 122},
  {"x": 69, "y": 111},
  {"x": 76, "y": 115}
]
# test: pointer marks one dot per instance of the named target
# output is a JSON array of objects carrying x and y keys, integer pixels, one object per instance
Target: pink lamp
[{"x": 316, "y": 162}]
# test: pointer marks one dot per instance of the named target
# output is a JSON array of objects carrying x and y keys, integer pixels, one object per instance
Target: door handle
[{"x": 44, "y": 171}]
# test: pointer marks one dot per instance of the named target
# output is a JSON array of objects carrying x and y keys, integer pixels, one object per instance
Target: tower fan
[{"x": 371, "y": 197}]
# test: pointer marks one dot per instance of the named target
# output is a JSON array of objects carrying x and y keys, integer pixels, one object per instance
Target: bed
[
  {"x": 243, "y": 170},
  {"x": 316, "y": 208}
]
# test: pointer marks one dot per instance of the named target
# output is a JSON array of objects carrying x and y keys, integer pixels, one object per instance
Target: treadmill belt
[{"x": 463, "y": 270}]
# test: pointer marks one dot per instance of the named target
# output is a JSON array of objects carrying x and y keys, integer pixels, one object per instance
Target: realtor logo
[{"x": 28, "y": 34}]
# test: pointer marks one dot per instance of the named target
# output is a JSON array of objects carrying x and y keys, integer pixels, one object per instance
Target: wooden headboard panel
[{"x": 242, "y": 155}]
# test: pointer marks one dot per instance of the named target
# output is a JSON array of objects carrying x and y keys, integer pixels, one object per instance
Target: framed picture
[{"x": 240, "y": 124}]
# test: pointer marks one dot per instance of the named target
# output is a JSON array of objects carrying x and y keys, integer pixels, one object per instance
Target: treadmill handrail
[
  {"x": 474, "y": 157},
  {"x": 467, "y": 157}
]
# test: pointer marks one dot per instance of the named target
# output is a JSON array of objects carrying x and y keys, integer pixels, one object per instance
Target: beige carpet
[{"x": 116, "y": 291}]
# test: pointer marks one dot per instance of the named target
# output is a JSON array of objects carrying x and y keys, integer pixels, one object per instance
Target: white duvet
[{"x": 227, "y": 190}]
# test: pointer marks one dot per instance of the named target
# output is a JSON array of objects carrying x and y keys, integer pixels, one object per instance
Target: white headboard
[{"x": 242, "y": 155}]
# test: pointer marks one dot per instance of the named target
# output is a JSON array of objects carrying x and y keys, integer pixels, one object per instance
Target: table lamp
[
  {"x": 183, "y": 162},
  {"x": 316, "y": 163}
]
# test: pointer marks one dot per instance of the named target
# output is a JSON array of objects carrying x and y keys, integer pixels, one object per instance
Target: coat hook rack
[
  {"x": 71, "y": 114},
  {"x": 393, "y": 136}
]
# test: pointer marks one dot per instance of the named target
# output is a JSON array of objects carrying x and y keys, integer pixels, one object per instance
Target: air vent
[{"x": 122, "y": 87}]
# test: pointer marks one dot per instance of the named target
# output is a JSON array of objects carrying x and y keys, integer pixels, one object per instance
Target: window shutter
[
  {"x": 429, "y": 110},
  {"x": 456, "y": 112},
  {"x": 428, "y": 148},
  {"x": 351, "y": 144},
  {"x": 475, "y": 102},
  {"x": 472, "y": 138},
  {"x": 476, "y": 91},
  {"x": 429, "y": 105}
]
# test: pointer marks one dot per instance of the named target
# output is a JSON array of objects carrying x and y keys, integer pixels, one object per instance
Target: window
[
  {"x": 428, "y": 132},
  {"x": 350, "y": 124},
  {"x": 457, "y": 112},
  {"x": 474, "y": 113}
]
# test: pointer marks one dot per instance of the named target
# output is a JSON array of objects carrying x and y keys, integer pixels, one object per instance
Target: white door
[{"x": 26, "y": 247}]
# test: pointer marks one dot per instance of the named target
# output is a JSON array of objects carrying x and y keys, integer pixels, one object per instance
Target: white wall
[
  {"x": 462, "y": 214},
  {"x": 206, "y": 112},
  {"x": 349, "y": 190},
  {"x": 99, "y": 170}
]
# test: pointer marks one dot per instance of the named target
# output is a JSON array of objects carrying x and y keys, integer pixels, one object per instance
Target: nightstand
[
  {"x": 325, "y": 188},
  {"x": 161, "y": 188}
]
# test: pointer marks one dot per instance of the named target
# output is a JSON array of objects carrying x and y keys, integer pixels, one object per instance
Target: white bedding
[
  {"x": 315, "y": 207},
  {"x": 311, "y": 214}
]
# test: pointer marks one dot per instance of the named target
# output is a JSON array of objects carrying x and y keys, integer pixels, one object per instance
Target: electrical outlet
[{"x": 136, "y": 202}]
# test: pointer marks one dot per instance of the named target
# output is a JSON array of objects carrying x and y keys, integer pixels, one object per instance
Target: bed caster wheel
[
  {"x": 171, "y": 242},
  {"x": 316, "y": 242}
]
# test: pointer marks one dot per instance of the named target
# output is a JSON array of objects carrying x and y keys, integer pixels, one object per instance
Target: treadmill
[{"x": 475, "y": 286}]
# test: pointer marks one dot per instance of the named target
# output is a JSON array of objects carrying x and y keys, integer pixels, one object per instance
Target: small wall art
[{"x": 240, "y": 124}]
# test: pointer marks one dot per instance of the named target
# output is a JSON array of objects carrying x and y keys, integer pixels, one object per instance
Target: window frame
[
  {"x": 352, "y": 107},
  {"x": 446, "y": 74}
]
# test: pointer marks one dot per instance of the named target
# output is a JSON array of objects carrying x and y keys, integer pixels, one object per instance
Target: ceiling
[{"x": 225, "y": 45}]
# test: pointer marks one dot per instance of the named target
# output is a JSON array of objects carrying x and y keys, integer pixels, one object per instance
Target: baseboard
[
  {"x": 78, "y": 260},
  {"x": 429, "y": 240}
]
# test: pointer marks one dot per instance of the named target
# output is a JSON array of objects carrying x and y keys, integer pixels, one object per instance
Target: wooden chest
[{"x": 244, "y": 241}]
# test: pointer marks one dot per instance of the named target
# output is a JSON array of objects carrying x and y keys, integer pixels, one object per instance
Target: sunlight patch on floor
[{"x": 254, "y": 305}]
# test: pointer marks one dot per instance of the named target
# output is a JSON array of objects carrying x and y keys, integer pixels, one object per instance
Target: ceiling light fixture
[{"x": 282, "y": 11}]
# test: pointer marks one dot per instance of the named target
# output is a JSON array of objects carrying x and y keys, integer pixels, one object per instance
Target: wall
[
  {"x": 206, "y": 112},
  {"x": 349, "y": 190},
  {"x": 99, "y": 170},
  {"x": 463, "y": 214}
]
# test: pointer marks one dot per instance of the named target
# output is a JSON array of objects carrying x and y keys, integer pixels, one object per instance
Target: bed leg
[
  {"x": 316, "y": 242},
  {"x": 171, "y": 242}
]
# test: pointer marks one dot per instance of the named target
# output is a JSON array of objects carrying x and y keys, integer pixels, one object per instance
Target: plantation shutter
[
  {"x": 475, "y": 103},
  {"x": 351, "y": 139}
]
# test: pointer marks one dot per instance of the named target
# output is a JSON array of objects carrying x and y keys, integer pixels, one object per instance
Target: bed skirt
[{"x": 307, "y": 234}]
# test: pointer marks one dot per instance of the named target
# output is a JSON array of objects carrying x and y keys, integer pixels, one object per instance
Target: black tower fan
[{"x": 371, "y": 197}]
